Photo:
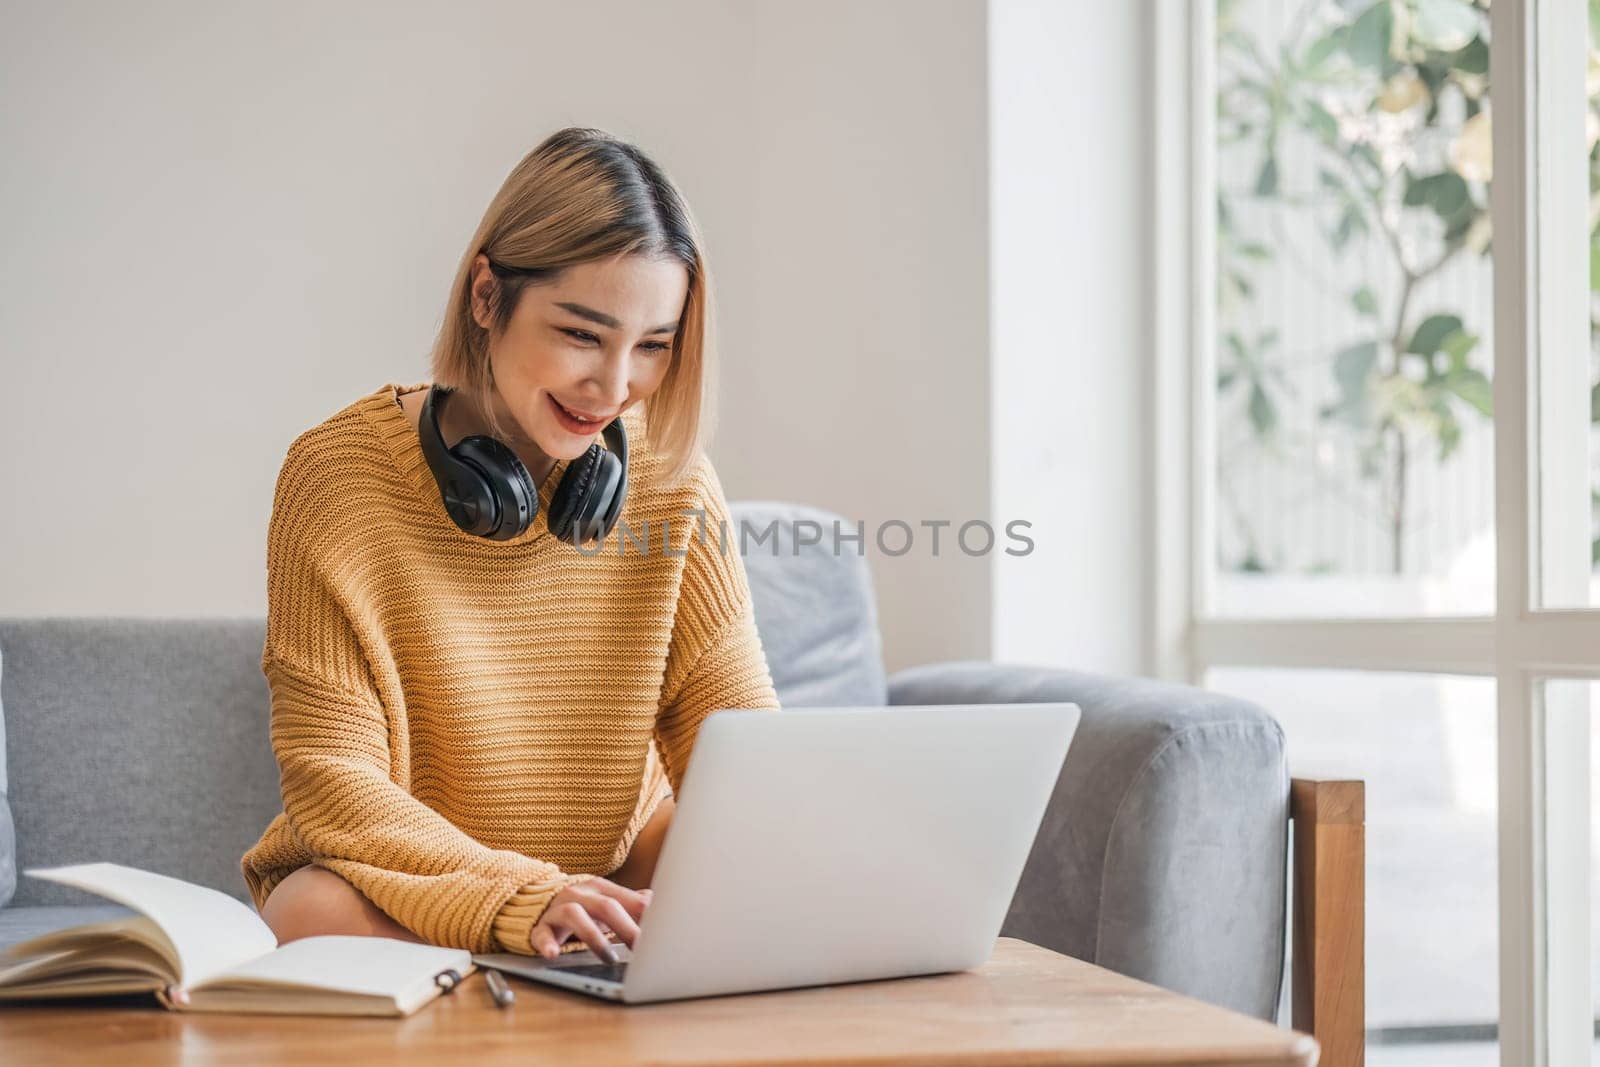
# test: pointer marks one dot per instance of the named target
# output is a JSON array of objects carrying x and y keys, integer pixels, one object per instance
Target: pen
[{"x": 502, "y": 994}]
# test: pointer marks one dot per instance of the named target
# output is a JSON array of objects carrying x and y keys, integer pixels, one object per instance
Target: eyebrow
[{"x": 606, "y": 320}]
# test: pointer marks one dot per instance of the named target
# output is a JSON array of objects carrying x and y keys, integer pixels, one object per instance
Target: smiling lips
[{"x": 577, "y": 422}]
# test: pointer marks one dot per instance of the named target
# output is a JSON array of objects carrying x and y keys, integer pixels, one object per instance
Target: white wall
[
  {"x": 1072, "y": 304},
  {"x": 859, "y": 294},
  {"x": 225, "y": 223}
]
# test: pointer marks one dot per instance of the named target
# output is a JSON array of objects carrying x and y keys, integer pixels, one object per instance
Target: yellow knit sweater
[{"x": 465, "y": 727}]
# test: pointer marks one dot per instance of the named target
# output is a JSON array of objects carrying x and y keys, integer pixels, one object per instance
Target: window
[
  {"x": 1377, "y": 468},
  {"x": 1354, "y": 465}
]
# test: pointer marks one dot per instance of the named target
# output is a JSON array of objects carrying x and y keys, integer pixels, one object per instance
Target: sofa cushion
[
  {"x": 138, "y": 741},
  {"x": 814, "y": 606},
  {"x": 8, "y": 829}
]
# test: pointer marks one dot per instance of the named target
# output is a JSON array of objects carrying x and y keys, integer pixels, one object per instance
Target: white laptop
[{"x": 814, "y": 846}]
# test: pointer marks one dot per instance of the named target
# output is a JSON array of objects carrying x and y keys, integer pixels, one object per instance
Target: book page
[
  {"x": 348, "y": 963},
  {"x": 210, "y": 931},
  {"x": 131, "y": 945}
]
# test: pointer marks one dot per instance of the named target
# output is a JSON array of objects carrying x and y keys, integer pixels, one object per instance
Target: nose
[{"x": 611, "y": 381}]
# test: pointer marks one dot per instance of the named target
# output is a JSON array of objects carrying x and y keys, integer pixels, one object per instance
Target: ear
[{"x": 480, "y": 290}]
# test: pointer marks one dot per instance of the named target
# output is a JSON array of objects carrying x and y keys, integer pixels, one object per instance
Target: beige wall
[
  {"x": 228, "y": 224},
  {"x": 859, "y": 292},
  {"x": 225, "y": 223}
]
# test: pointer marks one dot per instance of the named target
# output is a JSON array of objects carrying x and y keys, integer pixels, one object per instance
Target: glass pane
[
  {"x": 1573, "y": 743},
  {"x": 1569, "y": 360},
  {"x": 1354, "y": 445},
  {"x": 1425, "y": 746}
]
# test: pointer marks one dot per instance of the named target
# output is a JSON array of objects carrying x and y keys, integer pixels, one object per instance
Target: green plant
[{"x": 1390, "y": 100}]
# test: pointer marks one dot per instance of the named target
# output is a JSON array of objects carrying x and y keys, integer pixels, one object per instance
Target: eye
[{"x": 654, "y": 347}]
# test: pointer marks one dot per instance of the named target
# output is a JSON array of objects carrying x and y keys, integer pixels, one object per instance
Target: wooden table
[{"x": 1026, "y": 1005}]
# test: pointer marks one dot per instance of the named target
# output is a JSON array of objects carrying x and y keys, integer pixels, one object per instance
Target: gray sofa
[{"x": 1162, "y": 854}]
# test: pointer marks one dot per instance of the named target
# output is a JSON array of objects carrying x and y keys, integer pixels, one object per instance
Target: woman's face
[{"x": 594, "y": 343}]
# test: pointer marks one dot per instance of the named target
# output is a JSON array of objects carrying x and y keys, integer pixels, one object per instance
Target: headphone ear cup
[
  {"x": 600, "y": 500},
  {"x": 514, "y": 498},
  {"x": 467, "y": 499},
  {"x": 616, "y": 436},
  {"x": 570, "y": 494}
]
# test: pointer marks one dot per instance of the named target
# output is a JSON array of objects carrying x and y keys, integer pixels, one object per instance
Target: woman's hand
[{"x": 589, "y": 909}]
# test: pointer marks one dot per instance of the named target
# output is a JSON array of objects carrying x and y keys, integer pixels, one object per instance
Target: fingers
[
  {"x": 566, "y": 918},
  {"x": 600, "y": 906},
  {"x": 547, "y": 937},
  {"x": 617, "y": 917},
  {"x": 587, "y": 931},
  {"x": 634, "y": 900}
]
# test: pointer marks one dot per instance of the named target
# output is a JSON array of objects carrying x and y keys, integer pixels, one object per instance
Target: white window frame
[{"x": 1540, "y": 180}]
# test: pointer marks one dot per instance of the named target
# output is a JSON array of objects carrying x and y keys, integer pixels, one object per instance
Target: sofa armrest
[
  {"x": 1329, "y": 977},
  {"x": 1163, "y": 851}
]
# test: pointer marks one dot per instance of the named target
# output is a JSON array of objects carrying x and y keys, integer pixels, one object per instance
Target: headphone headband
[{"x": 433, "y": 447}]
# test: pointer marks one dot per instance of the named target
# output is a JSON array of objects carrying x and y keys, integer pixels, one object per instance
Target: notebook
[{"x": 218, "y": 951}]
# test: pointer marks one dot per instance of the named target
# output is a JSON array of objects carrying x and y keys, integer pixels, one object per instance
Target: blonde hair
[{"x": 581, "y": 195}]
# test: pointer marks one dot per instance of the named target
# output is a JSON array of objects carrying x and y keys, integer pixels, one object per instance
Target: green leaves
[
  {"x": 1429, "y": 336},
  {"x": 1445, "y": 192},
  {"x": 1320, "y": 120},
  {"x": 1263, "y": 416},
  {"x": 1352, "y": 220},
  {"x": 1443, "y": 335},
  {"x": 1249, "y": 364},
  {"x": 1444, "y": 25},
  {"x": 1364, "y": 302},
  {"x": 1369, "y": 36},
  {"x": 1472, "y": 386},
  {"x": 1352, "y": 368},
  {"x": 1456, "y": 345},
  {"x": 1474, "y": 57},
  {"x": 1267, "y": 179},
  {"x": 1352, "y": 365},
  {"x": 1325, "y": 48},
  {"x": 1316, "y": 121},
  {"x": 1419, "y": 400},
  {"x": 1447, "y": 428}
]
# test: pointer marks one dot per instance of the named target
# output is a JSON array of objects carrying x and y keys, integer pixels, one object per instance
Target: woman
[{"x": 479, "y": 739}]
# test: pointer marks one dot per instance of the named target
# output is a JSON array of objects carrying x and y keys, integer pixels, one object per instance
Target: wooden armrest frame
[{"x": 1328, "y": 979}]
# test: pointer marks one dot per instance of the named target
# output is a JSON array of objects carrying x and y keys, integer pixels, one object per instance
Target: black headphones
[{"x": 488, "y": 492}]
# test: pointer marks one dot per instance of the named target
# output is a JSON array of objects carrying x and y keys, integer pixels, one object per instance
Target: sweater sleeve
[
  {"x": 342, "y": 757},
  {"x": 413, "y": 863},
  {"x": 715, "y": 659}
]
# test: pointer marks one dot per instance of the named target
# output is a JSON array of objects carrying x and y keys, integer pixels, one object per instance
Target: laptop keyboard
[{"x": 612, "y": 972}]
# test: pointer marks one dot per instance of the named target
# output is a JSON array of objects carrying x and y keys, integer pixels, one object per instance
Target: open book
[{"x": 218, "y": 951}]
